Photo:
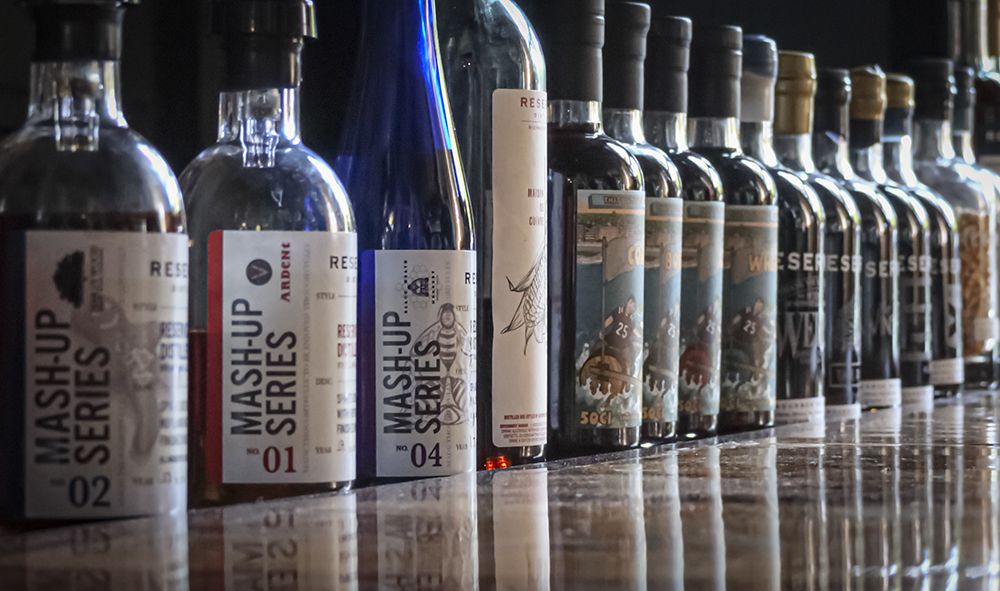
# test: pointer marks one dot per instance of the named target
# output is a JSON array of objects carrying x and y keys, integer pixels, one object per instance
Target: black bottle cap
[
  {"x": 935, "y": 88},
  {"x": 965, "y": 99},
  {"x": 668, "y": 54},
  {"x": 262, "y": 40},
  {"x": 78, "y": 30},
  {"x": 624, "y": 54},
  {"x": 833, "y": 94},
  {"x": 760, "y": 72},
  {"x": 716, "y": 68},
  {"x": 572, "y": 35},
  {"x": 760, "y": 56}
]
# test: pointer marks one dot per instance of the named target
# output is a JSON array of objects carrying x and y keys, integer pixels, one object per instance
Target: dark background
[{"x": 170, "y": 65}]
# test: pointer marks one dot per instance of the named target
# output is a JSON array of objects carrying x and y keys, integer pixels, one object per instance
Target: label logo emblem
[{"x": 259, "y": 272}]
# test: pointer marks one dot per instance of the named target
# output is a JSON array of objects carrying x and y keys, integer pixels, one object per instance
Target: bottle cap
[
  {"x": 899, "y": 91},
  {"x": 868, "y": 93},
  {"x": 624, "y": 54},
  {"x": 281, "y": 19},
  {"x": 78, "y": 30},
  {"x": 794, "y": 93},
  {"x": 833, "y": 93},
  {"x": 667, "y": 58},
  {"x": 572, "y": 35},
  {"x": 760, "y": 69},
  {"x": 934, "y": 79},
  {"x": 716, "y": 68}
]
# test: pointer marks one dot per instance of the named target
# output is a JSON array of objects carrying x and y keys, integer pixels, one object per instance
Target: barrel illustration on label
[
  {"x": 661, "y": 322},
  {"x": 749, "y": 308},
  {"x": 609, "y": 305},
  {"x": 425, "y": 351},
  {"x": 701, "y": 308}
]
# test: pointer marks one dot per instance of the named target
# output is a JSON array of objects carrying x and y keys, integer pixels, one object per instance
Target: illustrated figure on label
[
  {"x": 696, "y": 364},
  {"x": 530, "y": 311},
  {"x": 613, "y": 361},
  {"x": 450, "y": 342},
  {"x": 652, "y": 369}
]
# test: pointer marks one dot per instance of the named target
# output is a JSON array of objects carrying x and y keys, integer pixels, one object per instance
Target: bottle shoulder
[
  {"x": 699, "y": 179},
  {"x": 584, "y": 156},
  {"x": 873, "y": 206},
  {"x": 909, "y": 211},
  {"x": 794, "y": 191},
  {"x": 744, "y": 180},
  {"x": 660, "y": 174},
  {"x": 960, "y": 184}
]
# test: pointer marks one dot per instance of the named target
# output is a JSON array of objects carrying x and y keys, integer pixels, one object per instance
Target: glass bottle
[
  {"x": 495, "y": 73},
  {"x": 94, "y": 269},
  {"x": 417, "y": 298},
  {"x": 970, "y": 49},
  {"x": 913, "y": 294},
  {"x": 947, "y": 370},
  {"x": 703, "y": 227},
  {"x": 624, "y": 55},
  {"x": 793, "y": 123},
  {"x": 750, "y": 264},
  {"x": 964, "y": 189},
  {"x": 273, "y": 255},
  {"x": 596, "y": 211},
  {"x": 801, "y": 259},
  {"x": 880, "y": 384}
]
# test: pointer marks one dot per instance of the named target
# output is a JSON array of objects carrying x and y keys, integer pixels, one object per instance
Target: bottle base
[
  {"x": 510, "y": 457},
  {"x": 659, "y": 432},
  {"x": 949, "y": 391},
  {"x": 697, "y": 426},
  {"x": 217, "y": 495},
  {"x": 740, "y": 422}
]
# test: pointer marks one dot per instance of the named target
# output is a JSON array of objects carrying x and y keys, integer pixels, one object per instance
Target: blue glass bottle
[{"x": 417, "y": 299}]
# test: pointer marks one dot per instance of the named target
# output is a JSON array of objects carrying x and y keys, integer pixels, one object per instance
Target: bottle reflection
[
  {"x": 662, "y": 512},
  {"x": 844, "y": 504},
  {"x": 700, "y": 486},
  {"x": 597, "y": 529},
  {"x": 750, "y": 515},
  {"x": 520, "y": 520},
  {"x": 916, "y": 498},
  {"x": 978, "y": 559},
  {"x": 805, "y": 557},
  {"x": 947, "y": 429},
  {"x": 880, "y": 433}
]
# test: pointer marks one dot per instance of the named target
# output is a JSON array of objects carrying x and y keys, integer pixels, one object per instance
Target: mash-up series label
[
  {"x": 610, "y": 265},
  {"x": 425, "y": 361},
  {"x": 520, "y": 273},
  {"x": 105, "y": 374},
  {"x": 282, "y": 346}
]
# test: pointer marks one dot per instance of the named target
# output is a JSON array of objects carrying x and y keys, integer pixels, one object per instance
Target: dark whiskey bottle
[
  {"x": 793, "y": 126},
  {"x": 624, "y": 56},
  {"x": 868, "y": 104},
  {"x": 801, "y": 247},
  {"x": 880, "y": 385},
  {"x": 597, "y": 206},
  {"x": 703, "y": 227},
  {"x": 750, "y": 273},
  {"x": 947, "y": 370},
  {"x": 93, "y": 308}
]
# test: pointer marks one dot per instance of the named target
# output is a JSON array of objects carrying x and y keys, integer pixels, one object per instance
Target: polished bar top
[{"x": 896, "y": 500}]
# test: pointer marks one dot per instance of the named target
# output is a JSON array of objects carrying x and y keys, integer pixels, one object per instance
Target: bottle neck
[
  {"x": 78, "y": 98},
  {"x": 898, "y": 159},
  {"x": 867, "y": 163},
  {"x": 830, "y": 152},
  {"x": 757, "y": 141},
  {"x": 261, "y": 121},
  {"x": 625, "y": 125},
  {"x": 961, "y": 141},
  {"x": 932, "y": 140},
  {"x": 706, "y": 132},
  {"x": 667, "y": 131},
  {"x": 794, "y": 152},
  {"x": 582, "y": 116}
]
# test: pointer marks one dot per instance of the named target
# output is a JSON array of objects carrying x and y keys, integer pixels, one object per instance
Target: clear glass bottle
[
  {"x": 750, "y": 263},
  {"x": 947, "y": 369},
  {"x": 880, "y": 384},
  {"x": 963, "y": 187},
  {"x": 867, "y": 112},
  {"x": 94, "y": 268},
  {"x": 665, "y": 121},
  {"x": 800, "y": 327},
  {"x": 624, "y": 55},
  {"x": 794, "y": 108},
  {"x": 281, "y": 326},
  {"x": 968, "y": 40},
  {"x": 417, "y": 301},
  {"x": 496, "y": 82},
  {"x": 596, "y": 217}
]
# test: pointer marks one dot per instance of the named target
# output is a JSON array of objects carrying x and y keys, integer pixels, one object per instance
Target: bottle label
[
  {"x": 947, "y": 372},
  {"x": 842, "y": 314},
  {"x": 843, "y": 412},
  {"x": 749, "y": 308},
  {"x": 879, "y": 301},
  {"x": 800, "y": 410},
  {"x": 701, "y": 307},
  {"x": 519, "y": 275},
  {"x": 282, "y": 350},
  {"x": 800, "y": 330},
  {"x": 610, "y": 236},
  {"x": 978, "y": 262},
  {"x": 105, "y": 374},
  {"x": 425, "y": 361},
  {"x": 879, "y": 393},
  {"x": 922, "y": 396},
  {"x": 661, "y": 321}
]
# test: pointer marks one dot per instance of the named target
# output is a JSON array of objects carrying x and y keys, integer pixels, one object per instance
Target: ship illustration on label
[
  {"x": 530, "y": 311},
  {"x": 449, "y": 341}
]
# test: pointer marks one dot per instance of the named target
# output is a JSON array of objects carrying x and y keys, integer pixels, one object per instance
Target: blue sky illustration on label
[{"x": 661, "y": 326}]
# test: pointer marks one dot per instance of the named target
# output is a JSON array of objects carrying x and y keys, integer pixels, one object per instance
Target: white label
[
  {"x": 288, "y": 310},
  {"x": 879, "y": 393},
  {"x": 800, "y": 410},
  {"x": 105, "y": 374},
  {"x": 919, "y": 396},
  {"x": 425, "y": 362},
  {"x": 520, "y": 275},
  {"x": 946, "y": 372},
  {"x": 843, "y": 412},
  {"x": 986, "y": 328}
]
